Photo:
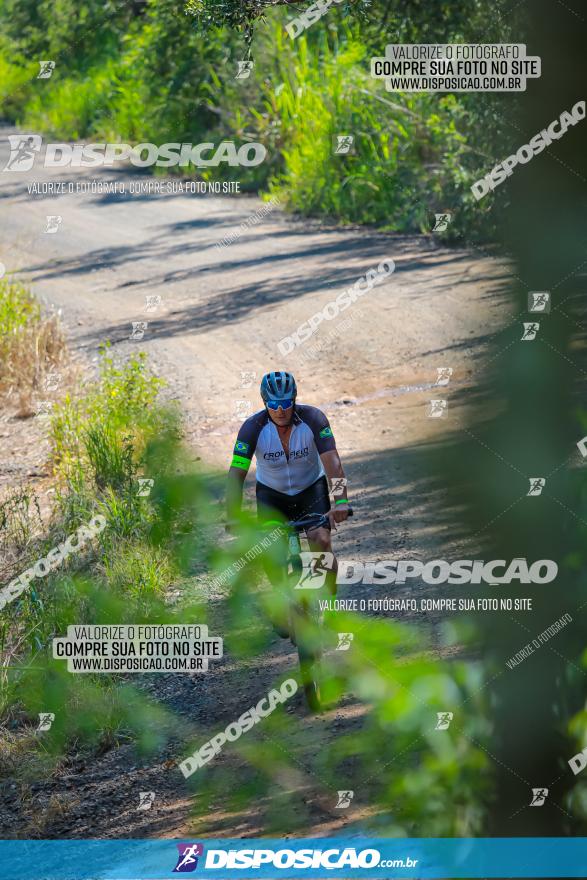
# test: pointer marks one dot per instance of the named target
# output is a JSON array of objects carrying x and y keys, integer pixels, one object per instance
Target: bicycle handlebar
[{"x": 312, "y": 521}]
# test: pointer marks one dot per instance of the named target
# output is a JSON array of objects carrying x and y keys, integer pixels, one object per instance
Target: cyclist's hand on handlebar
[{"x": 340, "y": 512}]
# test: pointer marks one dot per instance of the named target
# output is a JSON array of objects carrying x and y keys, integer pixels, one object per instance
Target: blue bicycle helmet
[{"x": 278, "y": 386}]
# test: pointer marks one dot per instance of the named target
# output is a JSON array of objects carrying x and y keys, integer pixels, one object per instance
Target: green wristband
[{"x": 342, "y": 501}]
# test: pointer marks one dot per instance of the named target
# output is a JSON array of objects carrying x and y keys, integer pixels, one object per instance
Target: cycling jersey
[{"x": 311, "y": 435}]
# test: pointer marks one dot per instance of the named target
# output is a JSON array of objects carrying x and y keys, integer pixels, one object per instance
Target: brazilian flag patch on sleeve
[
  {"x": 241, "y": 446},
  {"x": 326, "y": 432}
]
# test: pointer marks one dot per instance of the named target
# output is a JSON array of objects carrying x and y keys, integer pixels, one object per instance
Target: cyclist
[{"x": 296, "y": 452}]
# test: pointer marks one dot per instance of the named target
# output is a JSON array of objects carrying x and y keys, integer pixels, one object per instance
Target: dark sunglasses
[{"x": 275, "y": 404}]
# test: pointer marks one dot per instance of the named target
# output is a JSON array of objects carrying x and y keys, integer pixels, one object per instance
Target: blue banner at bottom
[{"x": 340, "y": 857}]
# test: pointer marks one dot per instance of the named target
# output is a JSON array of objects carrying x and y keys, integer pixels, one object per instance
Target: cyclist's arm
[
  {"x": 243, "y": 451},
  {"x": 334, "y": 471},
  {"x": 326, "y": 446},
  {"x": 234, "y": 492}
]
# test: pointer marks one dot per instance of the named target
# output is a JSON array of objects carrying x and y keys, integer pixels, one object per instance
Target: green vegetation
[
  {"x": 151, "y": 73},
  {"x": 158, "y": 73},
  {"x": 99, "y": 438},
  {"x": 106, "y": 435},
  {"x": 31, "y": 345}
]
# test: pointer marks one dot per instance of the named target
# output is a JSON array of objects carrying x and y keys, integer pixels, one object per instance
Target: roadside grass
[
  {"x": 32, "y": 345},
  {"x": 103, "y": 436}
]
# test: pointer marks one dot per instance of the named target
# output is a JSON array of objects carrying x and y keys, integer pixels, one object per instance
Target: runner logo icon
[
  {"x": 315, "y": 568},
  {"x": 539, "y": 796},
  {"x": 187, "y": 861},
  {"x": 23, "y": 148}
]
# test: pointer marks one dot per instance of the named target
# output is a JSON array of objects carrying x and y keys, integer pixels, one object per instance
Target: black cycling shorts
[{"x": 314, "y": 499}]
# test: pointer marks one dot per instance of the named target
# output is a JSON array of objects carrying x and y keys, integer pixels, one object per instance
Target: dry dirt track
[{"x": 222, "y": 312}]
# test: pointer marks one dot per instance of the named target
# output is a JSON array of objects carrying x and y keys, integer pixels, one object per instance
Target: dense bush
[{"x": 157, "y": 73}]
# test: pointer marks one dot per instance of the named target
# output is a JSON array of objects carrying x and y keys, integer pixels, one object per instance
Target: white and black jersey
[{"x": 311, "y": 435}]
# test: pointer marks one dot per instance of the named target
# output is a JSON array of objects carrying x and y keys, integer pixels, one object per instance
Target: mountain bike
[{"x": 305, "y": 616}]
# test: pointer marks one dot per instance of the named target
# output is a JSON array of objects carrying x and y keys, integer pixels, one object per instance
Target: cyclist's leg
[
  {"x": 320, "y": 542},
  {"x": 315, "y": 499},
  {"x": 272, "y": 510}
]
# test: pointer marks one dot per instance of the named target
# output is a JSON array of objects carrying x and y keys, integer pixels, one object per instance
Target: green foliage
[
  {"x": 30, "y": 343},
  {"x": 18, "y": 307},
  {"x": 163, "y": 76},
  {"x": 405, "y": 769},
  {"x": 50, "y": 28},
  {"x": 100, "y": 434},
  {"x": 409, "y": 159},
  {"x": 243, "y": 14}
]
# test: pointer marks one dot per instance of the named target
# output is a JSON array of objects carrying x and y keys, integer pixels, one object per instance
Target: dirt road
[{"x": 223, "y": 310}]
